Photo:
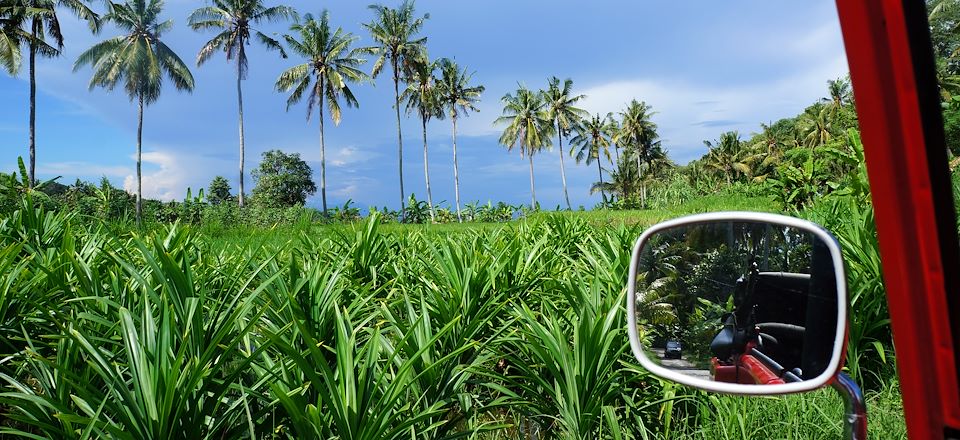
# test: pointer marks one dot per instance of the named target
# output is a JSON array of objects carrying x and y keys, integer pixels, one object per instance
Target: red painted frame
[
  {"x": 748, "y": 371},
  {"x": 891, "y": 73}
]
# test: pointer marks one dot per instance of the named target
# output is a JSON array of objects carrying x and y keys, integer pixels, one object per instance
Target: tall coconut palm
[
  {"x": 139, "y": 59},
  {"x": 421, "y": 97},
  {"x": 592, "y": 140},
  {"x": 565, "y": 115},
  {"x": 528, "y": 126},
  {"x": 638, "y": 134},
  {"x": 458, "y": 98},
  {"x": 395, "y": 33},
  {"x": 612, "y": 129},
  {"x": 38, "y": 29},
  {"x": 234, "y": 19},
  {"x": 331, "y": 65}
]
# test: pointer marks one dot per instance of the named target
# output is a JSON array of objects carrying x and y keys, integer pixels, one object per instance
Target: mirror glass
[{"x": 739, "y": 302}]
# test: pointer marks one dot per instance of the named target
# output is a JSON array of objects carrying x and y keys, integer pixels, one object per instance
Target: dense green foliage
[
  {"x": 219, "y": 191},
  {"x": 282, "y": 180},
  {"x": 363, "y": 331}
]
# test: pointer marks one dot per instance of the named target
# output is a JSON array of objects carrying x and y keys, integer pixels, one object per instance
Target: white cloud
[
  {"x": 174, "y": 173},
  {"x": 348, "y": 156},
  {"x": 352, "y": 187},
  {"x": 690, "y": 110},
  {"x": 345, "y": 157},
  {"x": 688, "y": 113}
]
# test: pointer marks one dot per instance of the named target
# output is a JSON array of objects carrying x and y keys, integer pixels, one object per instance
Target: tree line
[
  {"x": 429, "y": 89},
  {"x": 139, "y": 60}
]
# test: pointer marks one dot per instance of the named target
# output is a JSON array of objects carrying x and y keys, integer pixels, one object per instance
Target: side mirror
[{"x": 739, "y": 303}]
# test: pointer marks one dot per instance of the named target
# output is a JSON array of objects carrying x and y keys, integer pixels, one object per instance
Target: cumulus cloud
[
  {"x": 688, "y": 113},
  {"x": 167, "y": 174},
  {"x": 690, "y": 109}
]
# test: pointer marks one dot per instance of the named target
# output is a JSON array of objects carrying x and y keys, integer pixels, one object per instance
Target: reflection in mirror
[{"x": 738, "y": 302}]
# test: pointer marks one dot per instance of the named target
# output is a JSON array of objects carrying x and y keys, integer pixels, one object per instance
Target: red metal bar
[
  {"x": 891, "y": 110},
  {"x": 759, "y": 372}
]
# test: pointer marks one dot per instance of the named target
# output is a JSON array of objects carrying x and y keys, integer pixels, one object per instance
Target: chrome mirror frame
[{"x": 839, "y": 348}]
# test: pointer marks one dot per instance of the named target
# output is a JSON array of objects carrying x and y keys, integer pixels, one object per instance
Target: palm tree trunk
[
  {"x": 616, "y": 155},
  {"x": 323, "y": 155},
  {"x": 139, "y": 156},
  {"x": 563, "y": 173},
  {"x": 643, "y": 187},
  {"x": 396, "y": 100},
  {"x": 600, "y": 172},
  {"x": 456, "y": 173},
  {"x": 639, "y": 166},
  {"x": 32, "y": 179},
  {"x": 426, "y": 168},
  {"x": 242, "y": 150},
  {"x": 533, "y": 192}
]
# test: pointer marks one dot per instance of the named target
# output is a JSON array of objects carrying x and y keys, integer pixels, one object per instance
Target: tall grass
[{"x": 354, "y": 332}]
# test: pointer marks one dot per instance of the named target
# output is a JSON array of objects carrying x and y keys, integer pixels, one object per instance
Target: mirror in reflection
[{"x": 738, "y": 302}]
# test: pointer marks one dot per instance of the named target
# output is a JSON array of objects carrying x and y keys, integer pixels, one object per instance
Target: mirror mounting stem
[{"x": 855, "y": 408}]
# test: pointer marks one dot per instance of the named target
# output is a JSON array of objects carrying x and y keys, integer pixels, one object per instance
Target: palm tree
[
  {"x": 139, "y": 59},
  {"x": 395, "y": 33},
  {"x": 563, "y": 113},
  {"x": 331, "y": 64},
  {"x": 13, "y": 15},
  {"x": 11, "y": 36},
  {"x": 36, "y": 22},
  {"x": 638, "y": 133},
  {"x": 612, "y": 128},
  {"x": 623, "y": 180},
  {"x": 234, "y": 19},
  {"x": 591, "y": 140},
  {"x": 767, "y": 149},
  {"x": 839, "y": 90},
  {"x": 727, "y": 156},
  {"x": 528, "y": 125},
  {"x": 657, "y": 163},
  {"x": 421, "y": 97},
  {"x": 816, "y": 125},
  {"x": 458, "y": 98}
]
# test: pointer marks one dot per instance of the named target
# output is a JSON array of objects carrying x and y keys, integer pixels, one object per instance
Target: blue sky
[{"x": 705, "y": 67}]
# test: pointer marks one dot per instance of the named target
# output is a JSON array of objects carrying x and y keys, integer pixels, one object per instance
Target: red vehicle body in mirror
[
  {"x": 892, "y": 71},
  {"x": 748, "y": 370}
]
